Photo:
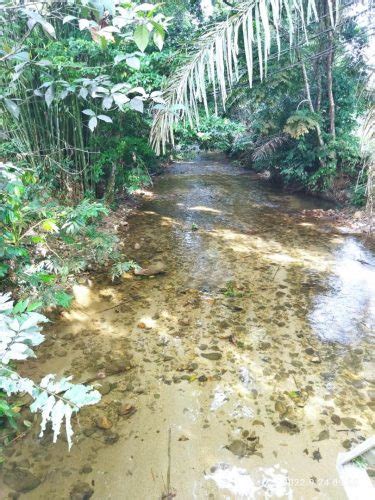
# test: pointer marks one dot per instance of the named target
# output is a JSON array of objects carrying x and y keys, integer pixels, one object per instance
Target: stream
[{"x": 239, "y": 373}]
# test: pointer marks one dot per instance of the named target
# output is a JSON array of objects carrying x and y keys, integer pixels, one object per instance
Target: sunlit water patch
[{"x": 347, "y": 310}]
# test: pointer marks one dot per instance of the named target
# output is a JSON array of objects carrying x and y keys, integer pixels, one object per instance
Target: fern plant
[
  {"x": 56, "y": 400},
  {"x": 120, "y": 268},
  {"x": 300, "y": 123}
]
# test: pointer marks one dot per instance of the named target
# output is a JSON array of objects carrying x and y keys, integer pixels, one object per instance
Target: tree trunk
[
  {"x": 309, "y": 100},
  {"x": 331, "y": 100}
]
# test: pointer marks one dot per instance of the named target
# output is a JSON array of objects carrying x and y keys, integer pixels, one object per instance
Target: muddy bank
[{"x": 239, "y": 372}]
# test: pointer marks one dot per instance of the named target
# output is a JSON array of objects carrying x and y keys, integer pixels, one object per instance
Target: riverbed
[{"x": 240, "y": 372}]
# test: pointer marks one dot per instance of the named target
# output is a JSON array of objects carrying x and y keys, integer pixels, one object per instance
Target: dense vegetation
[{"x": 84, "y": 83}]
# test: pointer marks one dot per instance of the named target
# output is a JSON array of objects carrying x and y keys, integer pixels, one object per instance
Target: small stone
[
  {"x": 103, "y": 423},
  {"x": 310, "y": 351},
  {"x": 104, "y": 388},
  {"x": 238, "y": 447},
  {"x": 316, "y": 455},
  {"x": 111, "y": 437},
  {"x": 323, "y": 435},
  {"x": 347, "y": 444},
  {"x": 21, "y": 479},
  {"x": 258, "y": 422},
  {"x": 126, "y": 410},
  {"x": 202, "y": 378},
  {"x": 336, "y": 419},
  {"x": 281, "y": 408},
  {"x": 183, "y": 438},
  {"x": 86, "y": 469},
  {"x": 137, "y": 246},
  {"x": 315, "y": 359},
  {"x": 154, "y": 269},
  {"x": 288, "y": 426},
  {"x": 349, "y": 422},
  {"x": 61, "y": 352},
  {"x": 213, "y": 356},
  {"x": 81, "y": 491}
]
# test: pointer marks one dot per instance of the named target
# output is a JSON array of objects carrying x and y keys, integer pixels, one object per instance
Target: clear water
[{"x": 291, "y": 382}]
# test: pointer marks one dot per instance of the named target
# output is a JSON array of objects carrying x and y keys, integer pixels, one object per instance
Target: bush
[{"x": 213, "y": 133}]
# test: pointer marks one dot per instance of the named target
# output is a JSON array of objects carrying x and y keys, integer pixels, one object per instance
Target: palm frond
[
  {"x": 214, "y": 62},
  {"x": 268, "y": 147}
]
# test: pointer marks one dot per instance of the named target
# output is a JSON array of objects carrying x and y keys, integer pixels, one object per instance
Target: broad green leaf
[
  {"x": 20, "y": 307},
  {"x": 48, "y": 28},
  {"x": 49, "y": 95},
  {"x": 50, "y": 226},
  {"x": 105, "y": 118},
  {"x": 63, "y": 299},
  {"x": 119, "y": 58},
  {"x": 67, "y": 19},
  {"x": 93, "y": 122},
  {"x": 88, "y": 112},
  {"x": 137, "y": 104},
  {"x": 12, "y": 107},
  {"x": 133, "y": 62},
  {"x": 158, "y": 38},
  {"x": 141, "y": 36}
]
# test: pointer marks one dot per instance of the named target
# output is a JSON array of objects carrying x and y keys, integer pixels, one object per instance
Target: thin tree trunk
[
  {"x": 309, "y": 100},
  {"x": 331, "y": 100}
]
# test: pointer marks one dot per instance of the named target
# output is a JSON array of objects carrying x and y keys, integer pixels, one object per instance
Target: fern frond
[{"x": 214, "y": 61}]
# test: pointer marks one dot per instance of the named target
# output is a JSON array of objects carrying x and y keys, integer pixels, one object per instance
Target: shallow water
[{"x": 248, "y": 362}]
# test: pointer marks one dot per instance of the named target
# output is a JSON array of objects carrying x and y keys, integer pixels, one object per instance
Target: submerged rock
[
  {"x": 244, "y": 448},
  {"x": 111, "y": 437},
  {"x": 103, "y": 423},
  {"x": 286, "y": 425},
  {"x": 349, "y": 422},
  {"x": 154, "y": 269},
  {"x": 81, "y": 491},
  {"x": 213, "y": 356},
  {"x": 126, "y": 410},
  {"x": 336, "y": 419},
  {"x": 21, "y": 479},
  {"x": 104, "y": 388}
]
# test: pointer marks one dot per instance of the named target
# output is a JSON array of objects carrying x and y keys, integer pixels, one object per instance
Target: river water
[{"x": 239, "y": 373}]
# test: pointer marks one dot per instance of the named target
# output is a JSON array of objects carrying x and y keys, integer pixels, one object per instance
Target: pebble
[
  {"x": 349, "y": 422},
  {"x": 81, "y": 491},
  {"x": 103, "y": 423},
  {"x": 111, "y": 437},
  {"x": 336, "y": 419},
  {"x": 213, "y": 356},
  {"x": 21, "y": 479},
  {"x": 86, "y": 469}
]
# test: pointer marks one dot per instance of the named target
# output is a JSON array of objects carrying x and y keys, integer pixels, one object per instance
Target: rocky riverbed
[{"x": 236, "y": 365}]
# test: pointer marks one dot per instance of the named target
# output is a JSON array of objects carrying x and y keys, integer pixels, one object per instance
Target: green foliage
[
  {"x": 300, "y": 123},
  {"x": 132, "y": 159},
  {"x": 42, "y": 243},
  {"x": 70, "y": 79},
  {"x": 120, "y": 268},
  {"x": 233, "y": 291},
  {"x": 295, "y": 144},
  {"x": 8, "y": 415},
  {"x": 56, "y": 400},
  {"x": 212, "y": 133}
]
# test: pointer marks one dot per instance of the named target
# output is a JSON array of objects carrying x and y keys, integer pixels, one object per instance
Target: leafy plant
[
  {"x": 300, "y": 123},
  {"x": 56, "y": 400},
  {"x": 120, "y": 268}
]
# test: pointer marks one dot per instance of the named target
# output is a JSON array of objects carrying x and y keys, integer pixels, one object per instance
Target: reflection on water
[{"x": 346, "y": 310}]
